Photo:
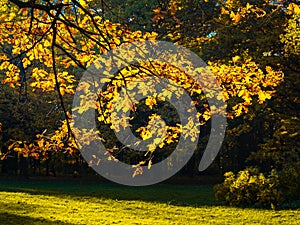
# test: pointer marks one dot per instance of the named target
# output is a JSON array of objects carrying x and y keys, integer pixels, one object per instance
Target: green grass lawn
[{"x": 77, "y": 202}]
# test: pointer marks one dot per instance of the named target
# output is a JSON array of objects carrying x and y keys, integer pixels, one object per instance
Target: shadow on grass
[
  {"x": 12, "y": 219},
  {"x": 192, "y": 195}
]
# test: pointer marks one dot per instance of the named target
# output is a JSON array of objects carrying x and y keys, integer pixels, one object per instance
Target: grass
[{"x": 74, "y": 202}]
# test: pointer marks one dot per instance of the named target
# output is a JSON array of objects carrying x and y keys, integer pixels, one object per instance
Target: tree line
[{"x": 251, "y": 47}]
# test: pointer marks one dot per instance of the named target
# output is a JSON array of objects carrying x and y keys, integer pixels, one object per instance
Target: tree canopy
[{"x": 251, "y": 48}]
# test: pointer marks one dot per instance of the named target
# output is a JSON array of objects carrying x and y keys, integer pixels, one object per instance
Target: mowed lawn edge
[{"x": 78, "y": 202}]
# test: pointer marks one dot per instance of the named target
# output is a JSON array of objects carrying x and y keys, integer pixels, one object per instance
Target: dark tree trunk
[{"x": 23, "y": 165}]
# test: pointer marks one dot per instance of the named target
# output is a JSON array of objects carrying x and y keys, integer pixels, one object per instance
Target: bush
[
  {"x": 250, "y": 187},
  {"x": 290, "y": 181}
]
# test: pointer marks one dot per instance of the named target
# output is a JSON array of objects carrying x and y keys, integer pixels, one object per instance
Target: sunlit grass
[{"x": 53, "y": 202}]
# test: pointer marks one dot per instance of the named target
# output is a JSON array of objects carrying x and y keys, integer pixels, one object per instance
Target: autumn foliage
[{"x": 47, "y": 45}]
